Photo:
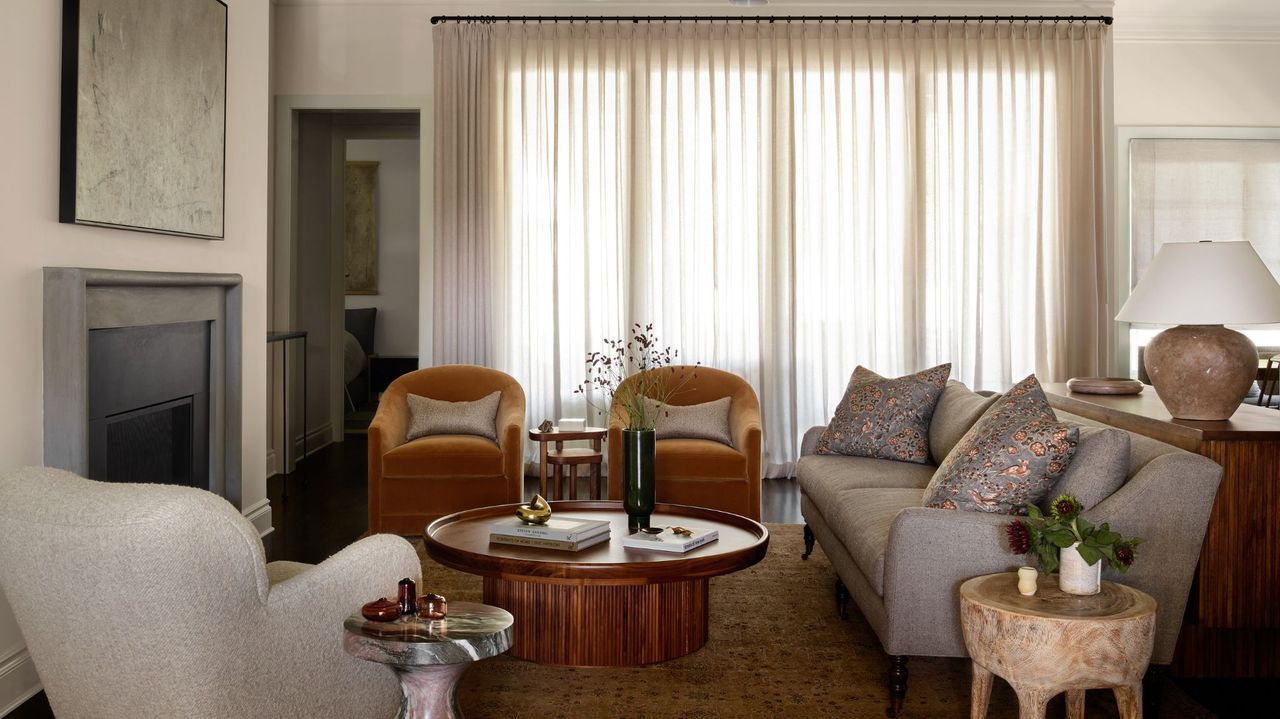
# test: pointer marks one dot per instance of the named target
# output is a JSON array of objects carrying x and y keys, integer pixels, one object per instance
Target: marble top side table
[
  {"x": 429, "y": 657},
  {"x": 1053, "y": 642}
]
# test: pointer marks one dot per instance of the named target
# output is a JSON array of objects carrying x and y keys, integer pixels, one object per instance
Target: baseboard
[
  {"x": 317, "y": 440},
  {"x": 259, "y": 515},
  {"x": 18, "y": 680}
]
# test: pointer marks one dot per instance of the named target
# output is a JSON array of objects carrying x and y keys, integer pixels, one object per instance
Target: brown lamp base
[{"x": 1201, "y": 372}]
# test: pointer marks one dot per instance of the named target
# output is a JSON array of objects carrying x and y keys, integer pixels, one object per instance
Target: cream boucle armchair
[{"x": 144, "y": 600}]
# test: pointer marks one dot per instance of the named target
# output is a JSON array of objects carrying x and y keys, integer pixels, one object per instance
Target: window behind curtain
[
  {"x": 784, "y": 203},
  {"x": 1187, "y": 190}
]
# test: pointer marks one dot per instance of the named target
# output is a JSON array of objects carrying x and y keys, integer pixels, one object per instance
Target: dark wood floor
[{"x": 327, "y": 506}]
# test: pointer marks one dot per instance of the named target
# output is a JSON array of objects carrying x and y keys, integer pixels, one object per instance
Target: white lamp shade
[{"x": 1204, "y": 283}]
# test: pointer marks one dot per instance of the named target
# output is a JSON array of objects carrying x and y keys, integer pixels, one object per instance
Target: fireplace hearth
[{"x": 142, "y": 376}]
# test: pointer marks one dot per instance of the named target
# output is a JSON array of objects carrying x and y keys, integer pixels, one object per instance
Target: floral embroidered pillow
[
  {"x": 885, "y": 418},
  {"x": 1011, "y": 457}
]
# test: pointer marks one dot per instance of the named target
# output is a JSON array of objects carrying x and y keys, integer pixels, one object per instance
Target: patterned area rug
[{"x": 777, "y": 649}]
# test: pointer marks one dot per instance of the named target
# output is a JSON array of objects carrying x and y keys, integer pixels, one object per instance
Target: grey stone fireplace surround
[{"x": 78, "y": 301}]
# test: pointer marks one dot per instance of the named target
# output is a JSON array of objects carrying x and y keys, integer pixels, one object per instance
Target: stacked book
[
  {"x": 671, "y": 541},
  {"x": 566, "y": 533}
]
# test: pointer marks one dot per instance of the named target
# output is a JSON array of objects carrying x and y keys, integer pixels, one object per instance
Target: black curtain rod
[{"x": 771, "y": 18}]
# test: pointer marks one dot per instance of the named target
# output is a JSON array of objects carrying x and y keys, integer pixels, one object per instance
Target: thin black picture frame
[{"x": 68, "y": 144}]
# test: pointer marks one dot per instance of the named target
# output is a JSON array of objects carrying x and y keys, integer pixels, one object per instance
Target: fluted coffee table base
[{"x": 588, "y": 624}]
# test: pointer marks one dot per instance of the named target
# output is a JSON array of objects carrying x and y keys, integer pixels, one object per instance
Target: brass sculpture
[
  {"x": 537, "y": 511},
  {"x": 546, "y": 426},
  {"x": 681, "y": 531}
]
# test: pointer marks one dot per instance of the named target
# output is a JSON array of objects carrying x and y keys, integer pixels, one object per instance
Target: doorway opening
[{"x": 346, "y": 270}]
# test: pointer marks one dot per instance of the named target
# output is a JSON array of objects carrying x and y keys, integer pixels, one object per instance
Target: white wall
[
  {"x": 396, "y": 332},
  {"x": 31, "y": 238},
  {"x": 1197, "y": 83}
]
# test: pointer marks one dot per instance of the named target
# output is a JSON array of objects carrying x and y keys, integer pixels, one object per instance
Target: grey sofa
[{"x": 902, "y": 564}]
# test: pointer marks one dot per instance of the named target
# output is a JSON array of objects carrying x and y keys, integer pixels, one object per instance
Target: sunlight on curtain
[{"x": 781, "y": 201}]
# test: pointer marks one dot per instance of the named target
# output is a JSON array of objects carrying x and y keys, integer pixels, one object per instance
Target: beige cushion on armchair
[{"x": 142, "y": 600}]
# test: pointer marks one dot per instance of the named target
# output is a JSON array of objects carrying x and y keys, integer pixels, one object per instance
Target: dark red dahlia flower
[
  {"x": 1019, "y": 535},
  {"x": 1124, "y": 555}
]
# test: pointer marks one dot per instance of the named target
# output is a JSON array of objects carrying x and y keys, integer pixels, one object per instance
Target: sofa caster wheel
[
  {"x": 897, "y": 685},
  {"x": 842, "y": 599},
  {"x": 808, "y": 542}
]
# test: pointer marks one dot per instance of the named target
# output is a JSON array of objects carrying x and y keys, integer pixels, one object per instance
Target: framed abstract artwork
[
  {"x": 144, "y": 107},
  {"x": 360, "y": 247}
]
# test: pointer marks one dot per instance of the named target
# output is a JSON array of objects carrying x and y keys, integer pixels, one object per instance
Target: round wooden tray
[{"x": 1104, "y": 385}]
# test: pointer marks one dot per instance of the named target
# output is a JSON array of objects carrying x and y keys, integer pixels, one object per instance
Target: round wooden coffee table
[
  {"x": 606, "y": 605},
  {"x": 1053, "y": 642}
]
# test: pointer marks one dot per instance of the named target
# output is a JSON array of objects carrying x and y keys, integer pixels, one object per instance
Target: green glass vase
[{"x": 639, "y": 490}]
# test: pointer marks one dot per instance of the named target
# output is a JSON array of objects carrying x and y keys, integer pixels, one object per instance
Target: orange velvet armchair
[
  {"x": 699, "y": 471},
  {"x": 414, "y": 483}
]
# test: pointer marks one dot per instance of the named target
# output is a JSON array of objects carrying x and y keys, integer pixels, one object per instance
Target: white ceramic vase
[
  {"x": 1075, "y": 576},
  {"x": 1027, "y": 581}
]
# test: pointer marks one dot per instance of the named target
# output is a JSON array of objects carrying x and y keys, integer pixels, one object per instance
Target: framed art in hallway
[
  {"x": 360, "y": 243},
  {"x": 143, "y": 138}
]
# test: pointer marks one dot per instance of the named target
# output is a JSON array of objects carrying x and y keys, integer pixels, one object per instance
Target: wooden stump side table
[
  {"x": 560, "y": 458},
  {"x": 429, "y": 657},
  {"x": 1053, "y": 642}
]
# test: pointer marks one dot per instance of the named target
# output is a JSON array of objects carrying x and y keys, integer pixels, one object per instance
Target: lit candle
[{"x": 1027, "y": 581}]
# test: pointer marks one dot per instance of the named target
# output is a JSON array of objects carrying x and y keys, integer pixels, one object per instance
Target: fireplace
[
  {"x": 142, "y": 375},
  {"x": 149, "y": 404}
]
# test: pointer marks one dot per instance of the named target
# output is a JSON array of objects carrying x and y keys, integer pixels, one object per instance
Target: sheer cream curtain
[{"x": 783, "y": 201}]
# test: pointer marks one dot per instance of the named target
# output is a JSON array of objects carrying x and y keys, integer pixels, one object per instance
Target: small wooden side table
[
  {"x": 429, "y": 657},
  {"x": 1053, "y": 642},
  {"x": 560, "y": 457}
]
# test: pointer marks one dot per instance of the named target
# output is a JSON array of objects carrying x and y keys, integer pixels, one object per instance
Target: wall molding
[
  {"x": 1238, "y": 29},
  {"x": 259, "y": 515},
  {"x": 18, "y": 679}
]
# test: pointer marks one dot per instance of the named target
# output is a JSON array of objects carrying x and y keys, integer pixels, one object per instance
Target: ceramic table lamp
[{"x": 1200, "y": 369}]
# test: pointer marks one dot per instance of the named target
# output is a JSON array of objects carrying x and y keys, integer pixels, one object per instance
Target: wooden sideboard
[{"x": 1232, "y": 628}]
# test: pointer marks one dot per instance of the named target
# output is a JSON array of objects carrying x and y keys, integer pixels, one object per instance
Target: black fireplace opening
[{"x": 149, "y": 404}]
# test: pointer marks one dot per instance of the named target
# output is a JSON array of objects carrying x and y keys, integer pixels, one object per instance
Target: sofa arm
[
  {"x": 748, "y": 437},
  {"x": 510, "y": 432},
  {"x": 931, "y": 552},
  {"x": 809, "y": 443},
  {"x": 1167, "y": 503},
  {"x": 361, "y": 572},
  {"x": 302, "y": 663},
  {"x": 386, "y": 432},
  {"x": 390, "y": 423}
]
